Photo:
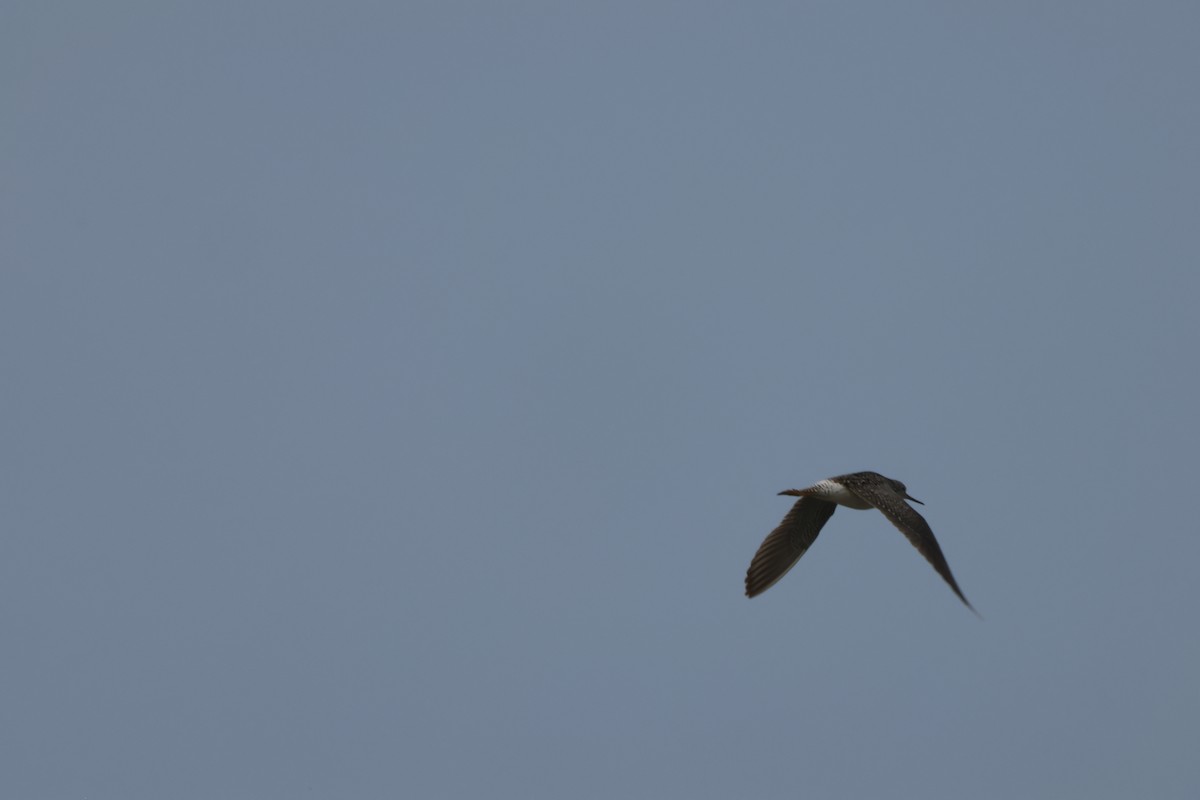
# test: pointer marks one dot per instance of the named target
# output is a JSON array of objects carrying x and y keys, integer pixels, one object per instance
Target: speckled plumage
[{"x": 784, "y": 546}]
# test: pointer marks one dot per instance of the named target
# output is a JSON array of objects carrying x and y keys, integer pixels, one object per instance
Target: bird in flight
[{"x": 783, "y": 547}]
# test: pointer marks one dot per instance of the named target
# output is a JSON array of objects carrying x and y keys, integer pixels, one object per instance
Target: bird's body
[
  {"x": 784, "y": 546},
  {"x": 831, "y": 491}
]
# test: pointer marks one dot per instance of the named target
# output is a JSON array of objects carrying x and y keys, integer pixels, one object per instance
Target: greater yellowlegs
[{"x": 783, "y": 547}]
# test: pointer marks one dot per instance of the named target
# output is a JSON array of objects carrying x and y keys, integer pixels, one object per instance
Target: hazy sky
[{"x": 394, "y": 395}]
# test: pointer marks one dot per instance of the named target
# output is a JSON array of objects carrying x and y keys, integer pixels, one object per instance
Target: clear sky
[{"x": 394, "y": 395}]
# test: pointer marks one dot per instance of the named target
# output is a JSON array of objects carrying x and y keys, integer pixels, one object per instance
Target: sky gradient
[{"x": 395, "y": 395}]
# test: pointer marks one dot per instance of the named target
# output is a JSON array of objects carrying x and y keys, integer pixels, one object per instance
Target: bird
[{"x": 784, "y": 546}]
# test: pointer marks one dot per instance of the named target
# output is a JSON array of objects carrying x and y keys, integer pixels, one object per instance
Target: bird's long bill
[{"x": 908, "y": 496}]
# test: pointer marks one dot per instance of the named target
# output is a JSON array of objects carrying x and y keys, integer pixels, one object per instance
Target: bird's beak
[{"x": 908, "y": 496}]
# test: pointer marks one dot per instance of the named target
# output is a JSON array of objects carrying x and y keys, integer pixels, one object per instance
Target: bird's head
[{"x": 903, "y": 491}]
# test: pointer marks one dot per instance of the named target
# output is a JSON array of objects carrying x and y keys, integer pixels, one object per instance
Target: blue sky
[{"x": 396, "y": 393}]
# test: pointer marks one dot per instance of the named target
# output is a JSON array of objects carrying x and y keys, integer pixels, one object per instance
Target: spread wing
[
  {"x": 912, "y": 525},
  {"x": 783, "y": 547}
]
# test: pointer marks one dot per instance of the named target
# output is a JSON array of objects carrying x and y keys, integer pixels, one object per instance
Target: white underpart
[{"x": 836, "y": 493}]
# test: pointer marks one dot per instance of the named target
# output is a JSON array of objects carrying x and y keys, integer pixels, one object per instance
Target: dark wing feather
[
  {"x": 912, "y": 525},
  {"x": 783, "y": 547}
]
